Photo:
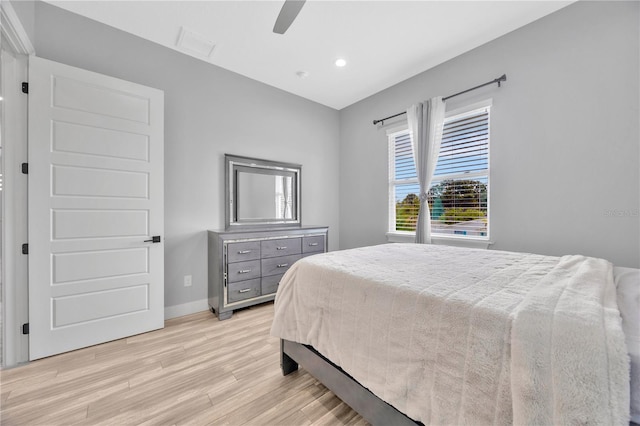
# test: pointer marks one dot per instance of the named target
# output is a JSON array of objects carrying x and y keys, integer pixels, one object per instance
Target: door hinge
[
  {"x": 25, "y": 328},
  {"x": 25, "y": 168},
  {"x": 25, "y": 87},
  {"x": 25, "y": 249}
]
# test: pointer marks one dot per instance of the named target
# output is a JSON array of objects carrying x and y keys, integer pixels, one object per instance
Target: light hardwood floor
[{"x": 195, "y": 371}]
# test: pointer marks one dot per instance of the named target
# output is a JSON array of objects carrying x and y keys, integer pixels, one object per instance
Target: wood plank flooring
[{"x": 196, "y": 371}]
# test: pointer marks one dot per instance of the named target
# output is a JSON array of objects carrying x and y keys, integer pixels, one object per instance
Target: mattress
[{"x": 460, "y": 336}]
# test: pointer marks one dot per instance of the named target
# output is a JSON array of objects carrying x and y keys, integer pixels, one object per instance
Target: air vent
[{"x": 191, "y": 42}]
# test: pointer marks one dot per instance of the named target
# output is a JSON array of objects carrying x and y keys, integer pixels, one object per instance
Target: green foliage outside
[
  {"x": 451, "y": 201},
  {"x": 452, "y": 216},
  {"x": 407, "y": 213},
  {"x": 459, "y": 194}
]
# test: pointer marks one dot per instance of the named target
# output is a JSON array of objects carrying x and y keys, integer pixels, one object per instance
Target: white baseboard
[{"x": 176, "y": 311}]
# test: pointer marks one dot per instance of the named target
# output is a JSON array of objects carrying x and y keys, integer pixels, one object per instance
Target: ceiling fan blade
[{"x": 288, "y": 13}]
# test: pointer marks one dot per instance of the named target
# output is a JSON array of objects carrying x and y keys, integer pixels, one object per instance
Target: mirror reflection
[{"x": 264, "y": 196}]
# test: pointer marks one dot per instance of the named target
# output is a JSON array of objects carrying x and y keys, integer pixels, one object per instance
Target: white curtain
[
  {"x": 426, "y": 121},
  {"x": 286, "y": 192}
]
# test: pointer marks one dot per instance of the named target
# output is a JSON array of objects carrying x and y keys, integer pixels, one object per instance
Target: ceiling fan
[{"x": 288, "y": 13}]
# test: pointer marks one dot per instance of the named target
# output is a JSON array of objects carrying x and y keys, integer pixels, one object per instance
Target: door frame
[{"x": 16, "y": 48}]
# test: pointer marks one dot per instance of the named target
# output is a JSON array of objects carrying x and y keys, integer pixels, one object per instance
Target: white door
[{"x": 95, "y": 199}]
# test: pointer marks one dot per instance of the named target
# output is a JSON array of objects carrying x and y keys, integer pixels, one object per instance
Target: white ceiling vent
[{"x": 194, "y": 43}]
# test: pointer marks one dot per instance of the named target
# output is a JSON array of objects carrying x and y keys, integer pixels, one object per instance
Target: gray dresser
[{"x": 245, "y": 267}]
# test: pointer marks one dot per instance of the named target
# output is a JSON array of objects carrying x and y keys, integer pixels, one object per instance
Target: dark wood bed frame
[{"x": 369, "y": 406}]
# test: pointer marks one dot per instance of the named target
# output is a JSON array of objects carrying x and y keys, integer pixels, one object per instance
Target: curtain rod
[{"x": 503, "y": 77}]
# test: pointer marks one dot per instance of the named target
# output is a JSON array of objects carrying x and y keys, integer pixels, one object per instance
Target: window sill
[{"x": 409, "y": 237}]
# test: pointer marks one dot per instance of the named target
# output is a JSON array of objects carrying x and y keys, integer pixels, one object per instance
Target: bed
[{"x": 408, "y": 333}]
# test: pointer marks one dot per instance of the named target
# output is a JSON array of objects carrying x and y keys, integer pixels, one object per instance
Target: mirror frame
[{"x": 234, "y": 163}]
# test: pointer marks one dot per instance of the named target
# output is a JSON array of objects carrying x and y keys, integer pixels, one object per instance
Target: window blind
[{"x": 458, "y": 196}]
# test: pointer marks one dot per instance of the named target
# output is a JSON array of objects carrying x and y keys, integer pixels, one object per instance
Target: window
[{"x": 459, "y": 192}]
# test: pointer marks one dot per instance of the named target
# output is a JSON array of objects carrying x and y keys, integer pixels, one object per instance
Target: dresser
[{"x": 245, "y": 267}]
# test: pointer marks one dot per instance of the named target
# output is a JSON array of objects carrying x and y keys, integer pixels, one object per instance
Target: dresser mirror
[{"x": 261, "y": 193}]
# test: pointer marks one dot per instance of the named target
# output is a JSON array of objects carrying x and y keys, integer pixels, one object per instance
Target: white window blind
[{"x": 459, "y": 192}]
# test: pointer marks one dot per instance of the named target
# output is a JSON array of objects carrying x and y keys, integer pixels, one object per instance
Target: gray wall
[
  {"x": 564, "y": 136},
  {"x": 208, "y": 112}
]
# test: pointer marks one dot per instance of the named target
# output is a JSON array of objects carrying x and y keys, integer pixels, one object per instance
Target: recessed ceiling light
[{"x": 340, "y": 62}]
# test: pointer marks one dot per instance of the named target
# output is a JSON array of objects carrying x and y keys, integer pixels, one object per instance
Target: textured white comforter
[{"x": 459, "y": 336}]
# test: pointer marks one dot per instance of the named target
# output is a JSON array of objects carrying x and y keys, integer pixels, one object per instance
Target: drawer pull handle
[
  {"x": 244, "y": 251},
  {"x": 244, "y": 271},
  {"x": 244, "y": 290},
  {"x": 281, "y": 248},
  {"x": 282, "y": 265},
  {"x": 313, "y": 244}
]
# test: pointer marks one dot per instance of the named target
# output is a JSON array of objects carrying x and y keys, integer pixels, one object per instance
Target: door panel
[
  {"x": 91, "y": 140},
  {"x": 71, "y": 93},
  {"x": 93, "y": 182},
  {"x": 75, "y": 224},
  {"x": 95, "y": 197},
  {"x": 92, "y": 265},
  {"x": 80, "y": 308}
]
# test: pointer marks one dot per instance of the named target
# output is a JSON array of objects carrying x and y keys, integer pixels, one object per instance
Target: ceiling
[{"x": 383, "y": 42}]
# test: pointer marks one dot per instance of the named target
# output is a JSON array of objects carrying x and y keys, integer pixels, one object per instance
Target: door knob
[{"x": 154, "y": 239}]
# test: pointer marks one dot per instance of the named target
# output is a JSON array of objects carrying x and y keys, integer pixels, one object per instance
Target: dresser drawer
[
  {"x": 284, "y": 247},
  {"x": 238, "y": 252},
  {"x": 243, "y": 290},
  {"x": 270, "y": 284},
  {"x": 246, "y": 266},
  {"x": 278, "y": 265},
  {"x": 313, "y": 244},
  {"x": 241, "y": 271}
]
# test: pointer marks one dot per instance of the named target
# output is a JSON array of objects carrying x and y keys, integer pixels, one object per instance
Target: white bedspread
[{"x": 460, "y": 336}]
